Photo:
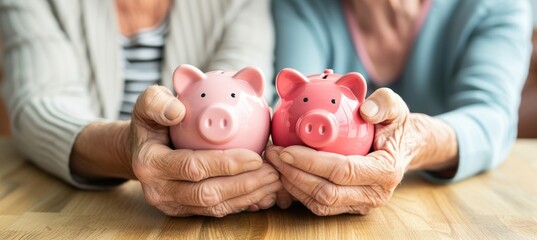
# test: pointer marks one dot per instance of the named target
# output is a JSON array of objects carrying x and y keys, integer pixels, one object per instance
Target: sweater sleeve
[
  {"x": 485, "y": 92},
  {"x": 46, "y": 95},
  {"x": 248, "y": 40}
]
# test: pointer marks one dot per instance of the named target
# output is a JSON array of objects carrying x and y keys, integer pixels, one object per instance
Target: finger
[
  {"x": 159, "y": 161},
  {"x": 253, "y": 208},
  {"x": 384, "y": 106},
  {"x": 219, "y": 189},
  {"x": 330, "y": 194},
  {"x": 319, "y": 208},
  {"x": 157, "y": 106},
  {"x": 284, "y": 199},
  {"x": 268, "y": 201},
  {"x": 230, "y": 206},
  {"x": 272, "y": 153},
  {"x": 373, "y": 169}
]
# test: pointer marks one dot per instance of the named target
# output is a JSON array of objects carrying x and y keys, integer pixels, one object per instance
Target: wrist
[
  {"x": 438, "y": 150},
  {"x": 102, "y": 150}
]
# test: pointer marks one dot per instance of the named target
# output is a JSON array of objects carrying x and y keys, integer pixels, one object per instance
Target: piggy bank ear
[
  {"x": 288, "y": 80},
  {"x": 354, "y": 82},
  {"x": 185, "y": 75},
  {"x": 254, "y": 77}
]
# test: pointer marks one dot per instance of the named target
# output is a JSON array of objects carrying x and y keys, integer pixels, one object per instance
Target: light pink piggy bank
[
  {"x": 321, "y": 111},
  {"x": 223, "y": 109}
]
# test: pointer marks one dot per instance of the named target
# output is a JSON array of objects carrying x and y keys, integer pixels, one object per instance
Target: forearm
[
  {"x": 437, "y": 148},
  {"x": 102, "y": 150}
]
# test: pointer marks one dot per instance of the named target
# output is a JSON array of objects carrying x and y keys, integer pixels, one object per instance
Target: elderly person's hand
[
  {"x": 329, "y": 183},
  {"x": 185, "y": 182}
]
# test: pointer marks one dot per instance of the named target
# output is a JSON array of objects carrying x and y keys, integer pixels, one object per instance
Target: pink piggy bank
[
  {"x": 321, "y": 111},
  {"x": 223, "y": 109}
]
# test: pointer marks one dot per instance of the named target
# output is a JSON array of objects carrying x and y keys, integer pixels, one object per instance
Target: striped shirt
[{"x": 143, "y": 63}]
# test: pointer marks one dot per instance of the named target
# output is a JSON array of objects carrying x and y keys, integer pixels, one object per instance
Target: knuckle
[
  {"x": 388, "y": 99},
  {"x": 382, "y": 201},
  {"x": 157, "y": 195},
  {"x": 178, "y": 211},
  {"x": 208, "y": 196},
  {"x": 360, "y": 210},
  {"x": 147, "y": 96},
  {"x": 253, "y": 199},
  {"x": 344, "y": 173},
  {"x": 192, "y": 168},
  {"x": 325, "y": 194},
  {"x": 152, "y": 100},
  {"x": 387, "y": 94},
  {"x": 393, "y": 180},
  {"x": 142, "y": 172},
  {"x": 392, "y": 176},
  {"x": 154, "y": 199},
  {"x": 220, "y": 210},
  {"x": 320, "y": 210},
  {"x": 140, "y": 166},
  {"x": 380, "y": 198},
  {"x": 248, "y": 186}
]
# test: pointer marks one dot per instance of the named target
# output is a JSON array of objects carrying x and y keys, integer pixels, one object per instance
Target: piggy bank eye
[
  {"x": 233, "y": 95},
  {"x": 333, "y": 101},
  {"x": 305, "y": 99},
  {"x": 203, "y": 95}
]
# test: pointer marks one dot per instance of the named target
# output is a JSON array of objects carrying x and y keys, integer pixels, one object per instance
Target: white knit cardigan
[{"x": 62, "y": 63}]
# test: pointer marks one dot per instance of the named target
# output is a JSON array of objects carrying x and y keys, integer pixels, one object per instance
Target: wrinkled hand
[
  {"x": 186, "y": 182},
  {"x": 329, "y": 183}
]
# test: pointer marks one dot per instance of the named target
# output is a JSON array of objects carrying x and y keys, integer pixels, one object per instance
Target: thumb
[
  {"x": 384, "y": 106},
  {"x": 157, "y": 105}
]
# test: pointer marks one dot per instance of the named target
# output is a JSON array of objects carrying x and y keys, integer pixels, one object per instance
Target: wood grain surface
[{"x": 500, "y": 204}]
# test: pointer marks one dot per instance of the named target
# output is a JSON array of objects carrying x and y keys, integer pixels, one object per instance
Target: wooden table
[{"x": 500, "y": 204}]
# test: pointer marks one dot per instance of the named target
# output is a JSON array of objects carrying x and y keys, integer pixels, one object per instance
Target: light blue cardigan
[{"x": 467, "y": 66}]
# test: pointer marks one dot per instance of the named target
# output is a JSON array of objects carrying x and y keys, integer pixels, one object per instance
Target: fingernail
[
  {"x": 284, "y": 204},
  {"x": 253, "y": 208},
  {"x": 252, "y": 165},
  {"x": 369, "y": 108},
  {"x": 286, "y": 157},
  {"x": 172, "y": 110}
]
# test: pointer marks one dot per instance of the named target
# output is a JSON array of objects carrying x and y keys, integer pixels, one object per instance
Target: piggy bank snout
[
  {"x": 218, "y": 123},
  {"x": 317, "y": 128}
]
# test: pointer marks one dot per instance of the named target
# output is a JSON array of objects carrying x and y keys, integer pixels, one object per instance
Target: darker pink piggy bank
[
  {"x": 321, "y": 111},
  {"x": 223, "y": 109}
]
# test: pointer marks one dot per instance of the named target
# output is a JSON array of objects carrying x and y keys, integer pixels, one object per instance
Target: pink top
[{"x": 358, "y": 43}]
